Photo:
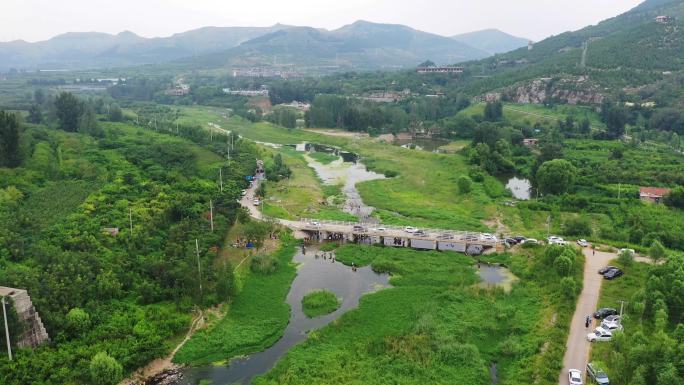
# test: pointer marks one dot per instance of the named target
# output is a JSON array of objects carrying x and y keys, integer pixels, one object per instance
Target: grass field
[
  {"x": 319, "y": 302},
  {"x": 530, "y": 114},
  {"x": 256, "y": 318}
]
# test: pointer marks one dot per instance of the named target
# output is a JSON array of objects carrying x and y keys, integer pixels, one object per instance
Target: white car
[
  {"x": 410, "y": 229},
  {"x": 488, "y": 237},
  {"x": 380, "y": 229},
  {"x": 256, "y": 202},
  {"x": 555, "y": 240},
  {"x": 600, "y": 334},
  {"x": 316, "y": 223},
  {"x": 631, "y": 251},
  {"x": 611, "y": 326},
  {"x": 531, "y": 241},
  {"x": 582, "y": 242},
  {"x": 244, "y": 192},
  {"x": 575, "y": 377}
]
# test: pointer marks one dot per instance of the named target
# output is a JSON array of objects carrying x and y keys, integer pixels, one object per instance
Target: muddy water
[
  {"x": 494, "y": 275},
  {"x": 347, "y": 173},
  {"x": 312, "y": 274}
]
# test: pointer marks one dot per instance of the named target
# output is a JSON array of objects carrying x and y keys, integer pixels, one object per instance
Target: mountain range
[{"x": 361, "y": 45}]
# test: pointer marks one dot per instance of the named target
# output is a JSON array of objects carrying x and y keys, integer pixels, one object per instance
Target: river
[{"x": 313, "y": 274}]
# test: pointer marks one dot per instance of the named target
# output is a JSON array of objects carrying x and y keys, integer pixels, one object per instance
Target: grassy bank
[
  {"x": 319, "y": 302},
  {"x": 435, "y": 326},
  {"x": 256, "y": 318}
]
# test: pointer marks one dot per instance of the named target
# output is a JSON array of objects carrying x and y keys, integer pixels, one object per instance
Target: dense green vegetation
[
  {"x": 319, "y": 302},
  {"x": 651, "y": 350},
  {"x": 256, "y": 318},
  {"x": 117, "y": 299},
  {"x": 435, "y": 325}
]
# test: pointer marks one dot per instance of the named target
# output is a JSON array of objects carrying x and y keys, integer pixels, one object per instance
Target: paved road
[{"x": 577, "y": 348}]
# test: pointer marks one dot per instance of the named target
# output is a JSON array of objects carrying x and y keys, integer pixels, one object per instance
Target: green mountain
[
  {"x": 492, "y": 41},
  {"x": 618, "y": 55},
  {"x": 361, "y": 45}
]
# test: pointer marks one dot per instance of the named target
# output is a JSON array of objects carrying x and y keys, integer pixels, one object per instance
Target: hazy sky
[{"x": 34, "y": 20}]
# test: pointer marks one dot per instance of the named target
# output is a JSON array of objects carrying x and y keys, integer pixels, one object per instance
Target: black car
[
  {"x": 511, "y": 241},
  {"x": 519, "y": 238},
  {"x": 604, "y": 312},
  {"x": 612, "y": 273},
  {"x": 605, "y": 269}
]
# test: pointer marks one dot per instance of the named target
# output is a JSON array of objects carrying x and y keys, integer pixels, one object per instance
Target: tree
[
  {"x": 68, "y": 110},
  {"x": 34, "y": 114},
  {"x": 256, "y": 232},
  {"x": 556, "y": 177},
  {"x": 87, "y": 122},
  {"x": 563, "y": 265},
  {"x": 675, "y": 198},
  {"x": 493, "y": 111},
  {"x": 578, "y": 226},
  {"x": 115, "y": 113},
  {"x": 105, "y": 369},
  {"x": 626, "y": 258},
  {"x": 465, "y": 184},
  {"x": 615, "y": 118},
  {"x": 585, "y": 126},
  {"x": 568, "y": 287},
  {"x": 10, "y": 155},
  {"x": 77, "y": 321},
  {"x": 656, "y": 251}
]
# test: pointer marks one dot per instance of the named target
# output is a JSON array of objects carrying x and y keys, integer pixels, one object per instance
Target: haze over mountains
[{"x": 361, "y": 45}]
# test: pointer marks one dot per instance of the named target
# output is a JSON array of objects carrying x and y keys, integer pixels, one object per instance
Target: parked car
[
  {"x": 612, "y": 318},
  {"x": 575, "y": 377},
  {"x": 488, "y": 237},
  {"x": 612, "y": 274},
  {"x": 380, "y": 229},
  {"x": 520, "y": 239},
  {"x": 582, "y": 242},
  {"x": 511, "y": 241},
  {"x": 358, "y": 228},
  {"x": 631, "y": 251},
  {"x": 410, "y": 229},
  {"x": 316, "y": 223},
  {"x": 420, "y": 233},
  {"x": 597, "y": 374},
  {"x": 531, "y": 241},
  {"x": 611, "y": 326},
  {"x": 256, "y": 202},
  {"x": 600, "y": 334},
  {"x": 244, "y": 192},
  {"x": 604, "y": 312},
  {"x": 556, "y": 240},
  {"x": 605, "y": 269}
]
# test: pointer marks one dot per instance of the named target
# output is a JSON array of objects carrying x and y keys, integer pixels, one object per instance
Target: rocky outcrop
[
  {"x": 567, "y": 89},
  {"x": 34, "y": 332}
]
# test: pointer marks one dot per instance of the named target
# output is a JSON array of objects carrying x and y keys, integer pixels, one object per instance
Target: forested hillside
[{"x": 126, "y": 292}]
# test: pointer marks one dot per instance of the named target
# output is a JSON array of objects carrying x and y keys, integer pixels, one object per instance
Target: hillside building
[
  {"x": 440, "y": 70},
  {"x": 663, "y": 19},
  {"x": 653, "y": 194}
]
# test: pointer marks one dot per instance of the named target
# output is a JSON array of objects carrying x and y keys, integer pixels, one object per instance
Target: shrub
[
  {"x": 319, "y": 302},
  {"x": 465, "y": 184},
  {"x": 264, "y": 264},
  {"x": 105, "y": 369},
  {"x": 577, "y": 226},
  {"x": 77, "y": 321},
  {"x": 626, "y": 258},
  {"x": 563, "y": 265},
  {"x": 568, "y": 287}
]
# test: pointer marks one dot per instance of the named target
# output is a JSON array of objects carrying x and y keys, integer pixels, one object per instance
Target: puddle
[
  {"x": 312, "y": 274},
  {"x": 495, "y": 275},
  {"x": 521, "y": 188}
]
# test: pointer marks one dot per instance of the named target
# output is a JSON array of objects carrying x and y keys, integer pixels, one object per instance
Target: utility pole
[
  {"x": 7, "y": 336},
  {"x": 221, "y": 178},
  {"x": 130, "y": 220},
  {"x": 622, "y": 306},
  {"x": 619, "y": 189},
  {"x": 211, "y": 214},
  {"x": 548, "y": 226},
  {"x": 199, "y": 270}
]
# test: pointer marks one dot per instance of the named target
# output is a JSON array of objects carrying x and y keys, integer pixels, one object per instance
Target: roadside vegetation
[{"x": 319, "y": 302}]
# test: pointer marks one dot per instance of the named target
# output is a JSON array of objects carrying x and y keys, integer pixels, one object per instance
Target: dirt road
[{"x": 577, "y": 347}]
